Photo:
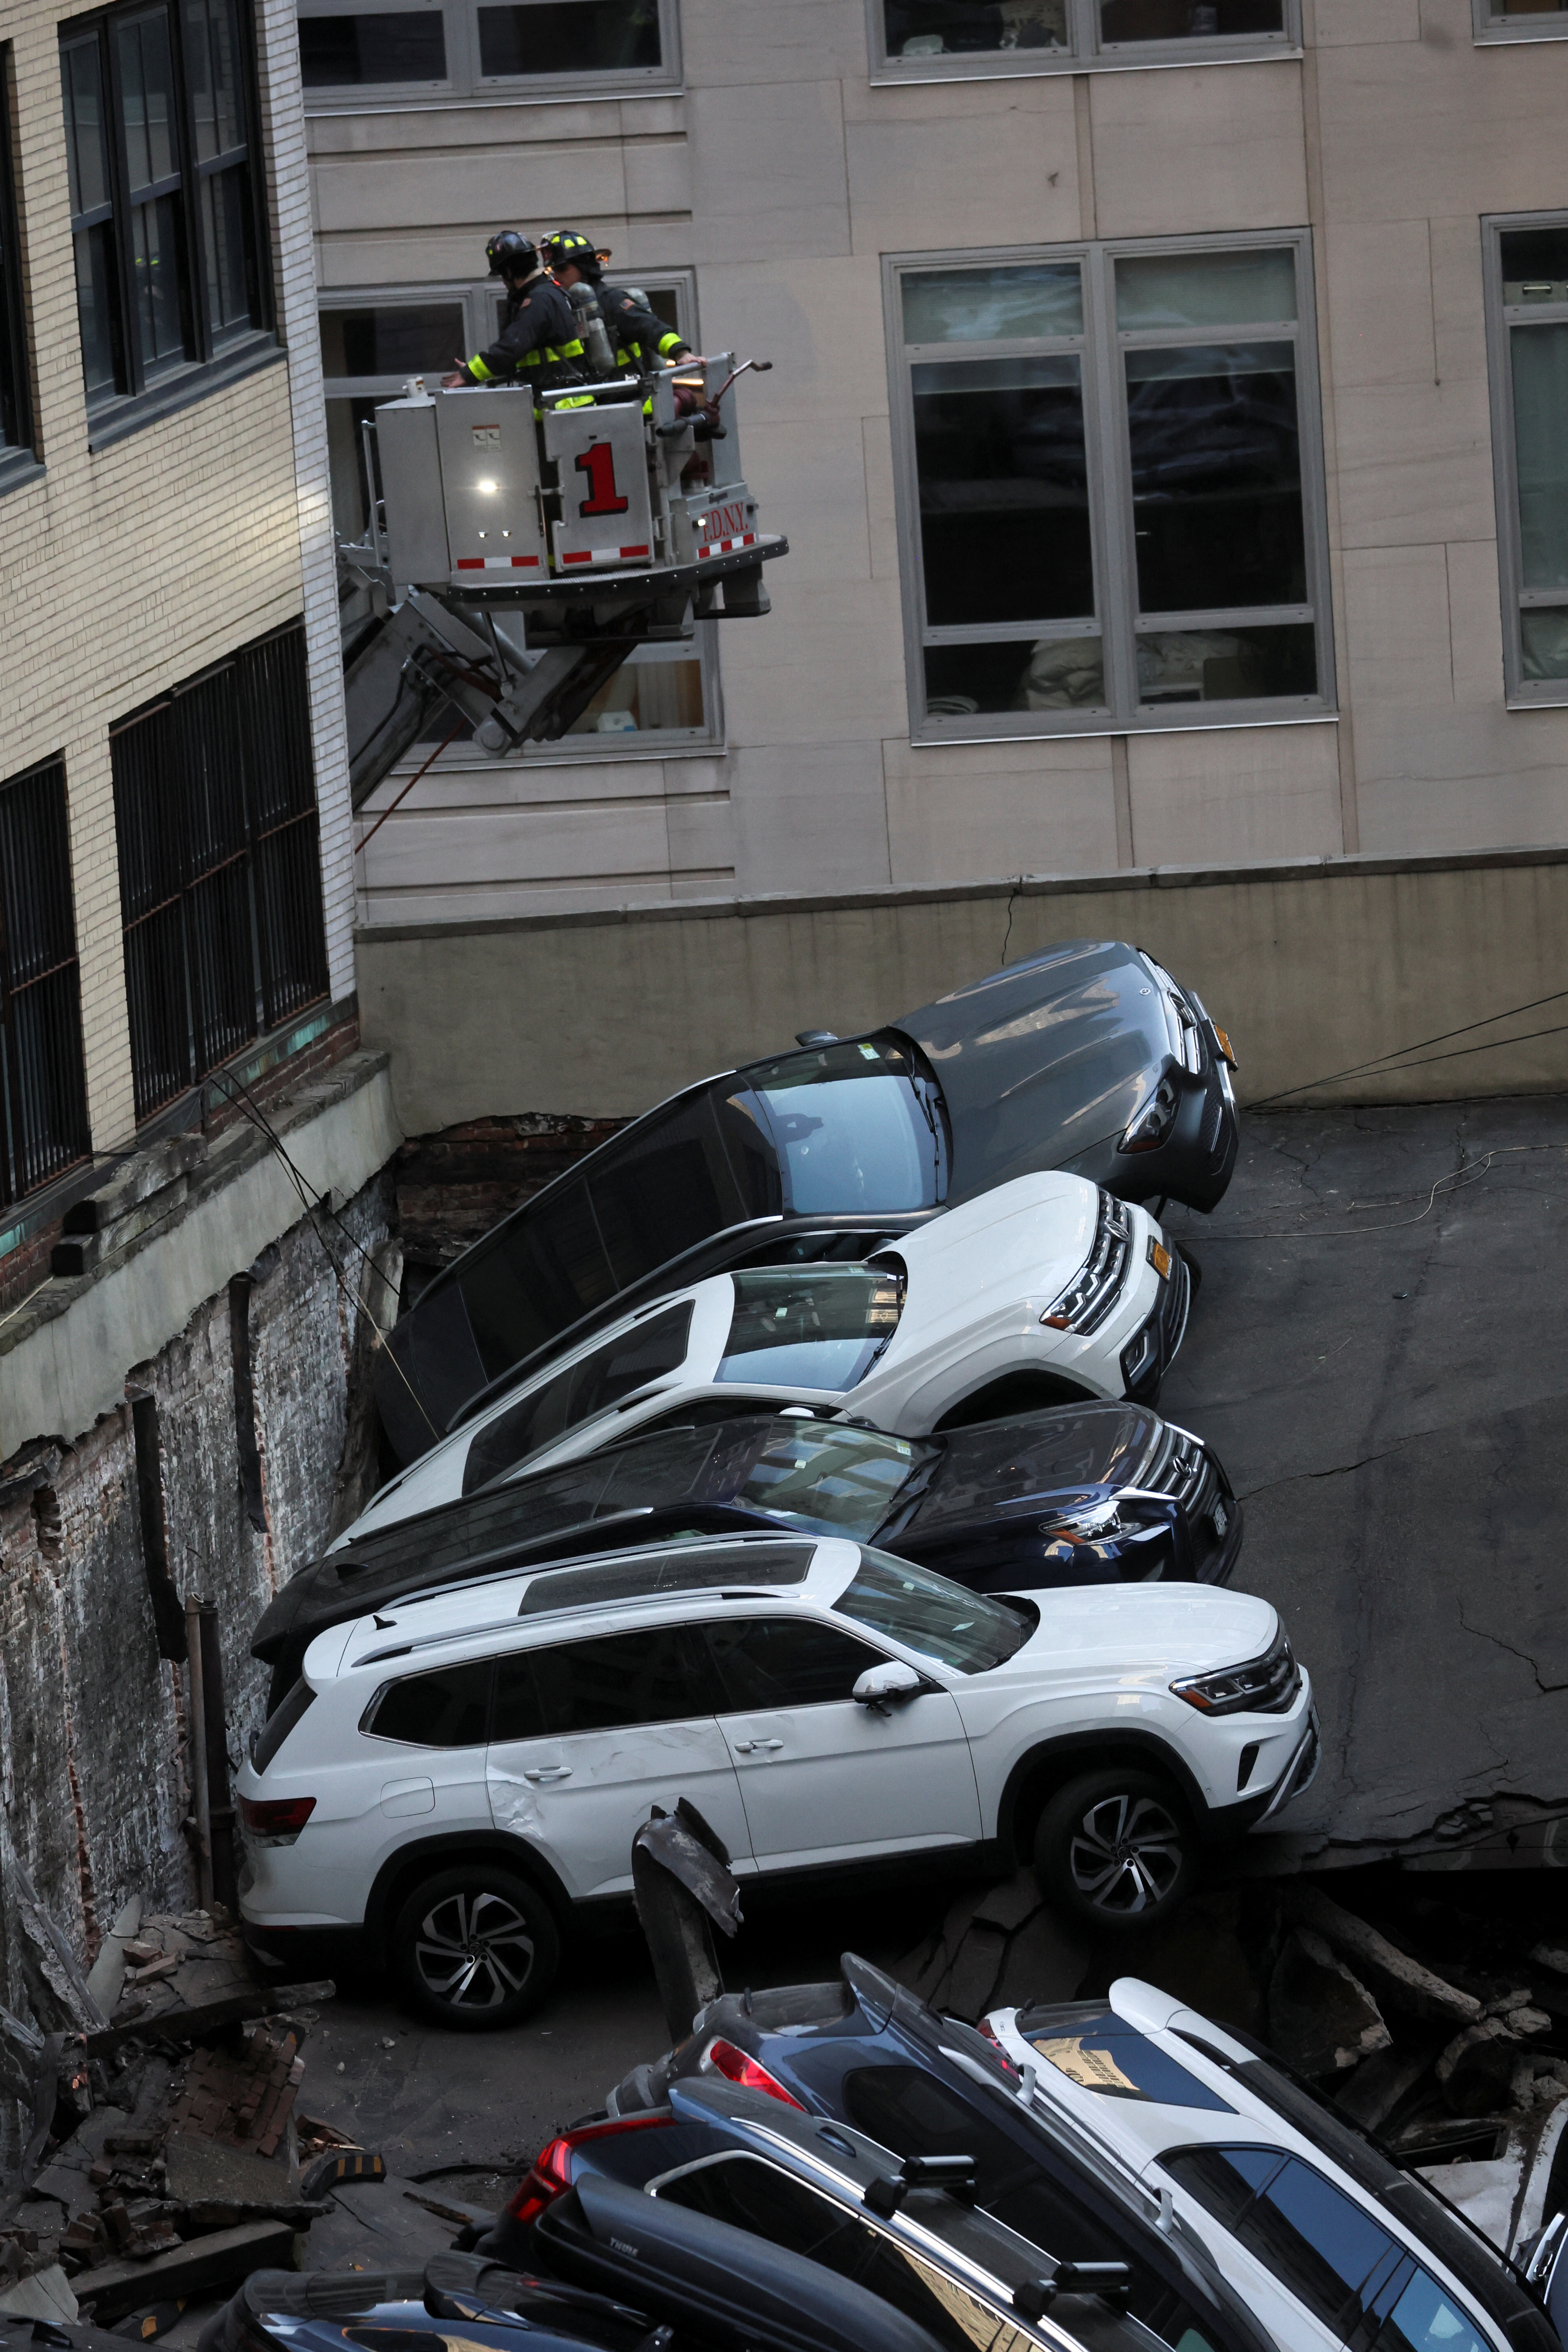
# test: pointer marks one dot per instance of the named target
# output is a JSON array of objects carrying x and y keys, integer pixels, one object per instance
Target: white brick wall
[{"x": 123, "y": 571}]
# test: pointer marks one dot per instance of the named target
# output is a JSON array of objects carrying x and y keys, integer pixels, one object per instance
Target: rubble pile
[
  {"x": 1442, "y": 2028},
  {"x": 164, "y": 2159}
]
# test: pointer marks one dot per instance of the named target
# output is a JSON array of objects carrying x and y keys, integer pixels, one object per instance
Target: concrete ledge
[
  {"x": 65, "y": 1353},
  {"x": 1317, "y": 967}
]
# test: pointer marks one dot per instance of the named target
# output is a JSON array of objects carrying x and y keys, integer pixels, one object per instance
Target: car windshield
[
  {"x": 925, "y": 1612},
  {"x": 857, "y": 1127},
  {"x": 833, "y": 1481},
  {"x": 822, "y": 1327}
]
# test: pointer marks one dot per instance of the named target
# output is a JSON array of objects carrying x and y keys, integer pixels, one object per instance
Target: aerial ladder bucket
[{"x": 518, "y": 554}]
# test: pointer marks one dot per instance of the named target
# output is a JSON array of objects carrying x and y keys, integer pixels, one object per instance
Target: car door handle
[
  {"x": 549, "y": 1772},
  {"x": 754, "y": 1747}
]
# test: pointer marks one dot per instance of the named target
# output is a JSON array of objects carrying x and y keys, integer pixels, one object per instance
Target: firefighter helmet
[
  {"x": 569, "y": 248},
  {"x": 512, "y": 255}
]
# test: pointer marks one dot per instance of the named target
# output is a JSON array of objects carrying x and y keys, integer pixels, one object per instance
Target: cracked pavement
[{"x": 1380, "y": 1357}]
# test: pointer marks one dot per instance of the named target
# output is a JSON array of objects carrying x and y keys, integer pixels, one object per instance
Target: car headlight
[
  {"x": 1266, "y": 1686},
  {"x": 1152, "y": 1126},
  {"x": 1091, "y": 1294}
]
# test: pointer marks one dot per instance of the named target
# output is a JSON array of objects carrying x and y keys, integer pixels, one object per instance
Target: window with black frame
[
  {"x": 1527, "y": 291},
  {"x": 458, "y": 47},
  {"x": 926, "y": 40},
  {"x": 43, "y": 1089},
  {"x": 220, "y": 883},
  {"x": 1112, "y": 487},
  {"x": 15, "y": 405},
  {"x": 164, "y": 195}
]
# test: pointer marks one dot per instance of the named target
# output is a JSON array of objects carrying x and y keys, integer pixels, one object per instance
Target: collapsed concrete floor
[{"x": 1381, "y": 1358}]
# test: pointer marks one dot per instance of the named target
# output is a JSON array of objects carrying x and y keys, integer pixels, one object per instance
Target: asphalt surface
[{"x": 1380, "y": 1355}]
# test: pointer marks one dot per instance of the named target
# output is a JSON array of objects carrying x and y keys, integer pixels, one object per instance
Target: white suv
[{"x": 453, "y": 1775}]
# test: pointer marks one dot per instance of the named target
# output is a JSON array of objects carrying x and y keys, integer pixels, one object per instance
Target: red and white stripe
[
  {"x": 726, "y": 546},
  {"x": 498, "y": 564},
  {"x": 605, "y": 554}
]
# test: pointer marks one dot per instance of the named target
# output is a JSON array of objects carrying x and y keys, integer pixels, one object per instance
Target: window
[
  {"x": 658, "y": 1674},
  {"x": 859, "y": 1127},
  {"x": 43, "y": 1092},
  {"x": 600, "y": 1381},
  {"x": 1527, "y": 291},
  {"x": 940, "y": 40},
  {"x": 220, "y": 883},
  {"x": 1520, "y": 20},
  {"x": 926, "y": 1612},
  {"x": 449, "y": 1708},
  {"x": 1110, "y": 489},
  {"x": 16, "y": 405},
  {"x": 462, "y": 48},
  {"x": 787, "y": 1661},
  {"x": 371, "y": 346},
  {"x": 1104, "y": 2053},
  {"x": 833, "y": 1481},
  {"x": 163, "y": 199},
  {"x": 707, "y": 1568},
  {"x": 818, "y": 1330},
  {"x": 1313, "y": 2238}
]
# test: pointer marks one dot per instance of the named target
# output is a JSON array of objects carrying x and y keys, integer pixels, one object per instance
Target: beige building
[
  {"x": 1165, "y": 419},
  {"x": 174, "y": 805}
]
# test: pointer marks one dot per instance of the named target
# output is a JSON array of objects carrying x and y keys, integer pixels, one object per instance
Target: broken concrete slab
[
  {"x": 1397, "y": 1979},
  {"x": 1322, "y": 2018},
  {"x": 42, "y": 2294},
  {"x": 1380, "y": 2082},
  {"x": 106, "y": 1977},
  {"x": 972, "y": 1979},
  {"x": 200, "y": 2266},
  {"x": 1476, "y": 2070},
  {"x": 1043, "y": 1961},
  {"x": 1010, "y": 1904}
]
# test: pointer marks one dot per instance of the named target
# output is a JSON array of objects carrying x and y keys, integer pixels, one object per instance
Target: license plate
[
  {"x": 1221, "y": 1518},
  {"x": 1160, "y": 1259}
]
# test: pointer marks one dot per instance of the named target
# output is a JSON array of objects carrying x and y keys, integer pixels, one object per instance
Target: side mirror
[{"x": 880, "y": 1684}]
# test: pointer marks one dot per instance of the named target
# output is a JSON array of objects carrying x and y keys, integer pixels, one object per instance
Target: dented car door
[{"x": 587, "y": 1735}]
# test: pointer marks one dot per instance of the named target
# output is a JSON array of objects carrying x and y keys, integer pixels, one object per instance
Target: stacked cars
[{"x": 801, "y": 1456}]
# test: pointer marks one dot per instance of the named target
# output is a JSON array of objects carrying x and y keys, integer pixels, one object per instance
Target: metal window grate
[
  {"x": 220, "y": 887},
  {"x": 43, "y": 1089}
]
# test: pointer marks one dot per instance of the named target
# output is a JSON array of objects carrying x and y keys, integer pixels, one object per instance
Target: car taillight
[
  {"x": 276, "y": 1821},
  {"x": 549, "y": 2175},
  {"x": 721, "y": 2057},
  {"x": 987, "y": 2030}
]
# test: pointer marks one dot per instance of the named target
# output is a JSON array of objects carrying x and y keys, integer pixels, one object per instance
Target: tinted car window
[
  {"x": 1313, "y": 2238},
  {"x": 786, "y": 1662},
  {"x": 1105, "y": 2053},
  {"x": 858, "y": 1127},
  {"x": 616, "y": 1370},
  {"x": 656, "y": 1675},
  {"x": 821, "y": 1330},
  {"x": 710, "y": 1565},
  {"x": 281, "y": 1723},
  {"x": 758, "y": 2196},
  {"x": 449, "y": 1708},
  {"x": 1421, "y": 2318}
]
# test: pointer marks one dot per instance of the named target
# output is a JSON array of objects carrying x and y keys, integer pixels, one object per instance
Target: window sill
[
  {"x": 118, "y": 419},
  {"x": 17, "y": 468},
  {"x": 890, "y": 73},
  {"x": 1097, "y": 723},
  {"x": 333, "y": 104}
]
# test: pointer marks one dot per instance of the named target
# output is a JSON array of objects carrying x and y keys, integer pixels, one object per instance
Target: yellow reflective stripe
[
  {"x": 572, "y": 351},
  {"x": 579, "y": 400},
  {"x": 477, "y": 367},
  {"x": 668, "y": 344}
]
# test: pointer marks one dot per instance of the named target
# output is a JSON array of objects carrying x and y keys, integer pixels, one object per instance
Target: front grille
[{"x": 1281, "y": 1680}]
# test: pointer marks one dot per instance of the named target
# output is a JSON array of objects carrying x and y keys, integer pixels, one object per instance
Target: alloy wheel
[
  {"x": 1125, "y": 1854},
  {"x": 473, "y": 1951}
]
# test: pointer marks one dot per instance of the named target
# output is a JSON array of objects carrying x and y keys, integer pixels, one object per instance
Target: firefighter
[
  {"x": 539, "y": 342},
  {"x": 642, "y": 341}
]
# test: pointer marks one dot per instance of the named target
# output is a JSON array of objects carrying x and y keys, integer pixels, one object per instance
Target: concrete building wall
[
  {"x": 1414, "y": 980},
  {"x": 128, "y": 568},
  {"x": 784, "y": 174}
]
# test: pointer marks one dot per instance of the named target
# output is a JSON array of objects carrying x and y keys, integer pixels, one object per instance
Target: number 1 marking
[{"x": 598, "y": 462}]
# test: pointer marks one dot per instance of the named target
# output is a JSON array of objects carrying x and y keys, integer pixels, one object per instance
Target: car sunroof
[{"x": 704, "y": 1569}]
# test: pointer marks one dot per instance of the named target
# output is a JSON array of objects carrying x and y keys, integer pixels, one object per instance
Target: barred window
[
  {"x": 220, "y": 887},
  {"x": 163, "y": 199},
  {"x": 43, "y": 1091}
]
